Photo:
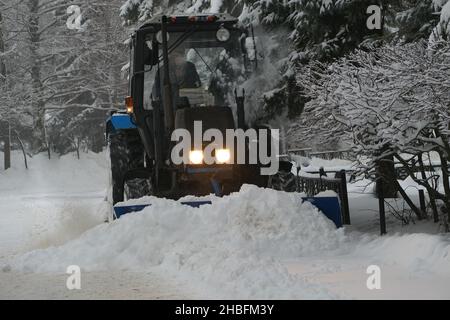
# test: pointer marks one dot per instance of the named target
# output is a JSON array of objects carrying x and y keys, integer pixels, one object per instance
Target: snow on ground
[
  {"x": 257, "y": 243},
  {"x": 365, "y": 215},
  {"x": 236, "y": 244},
  {"x": 94, "y": 285},
  {"x": 51, "y": 202}
]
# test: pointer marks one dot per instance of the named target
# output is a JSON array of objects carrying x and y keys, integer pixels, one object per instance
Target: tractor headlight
[
  {"x": 223, "y": 34},
  {"x": 196, "y": 156},
  {"x": 223, "y": 155}
]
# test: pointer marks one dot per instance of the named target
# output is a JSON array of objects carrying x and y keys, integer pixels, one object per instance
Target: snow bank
[{"x": 236, "y": 244}]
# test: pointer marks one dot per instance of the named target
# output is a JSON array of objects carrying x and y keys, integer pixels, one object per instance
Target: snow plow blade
[
  {"x": 329, "y": 206},
  {"x": 120, "y": 210}
]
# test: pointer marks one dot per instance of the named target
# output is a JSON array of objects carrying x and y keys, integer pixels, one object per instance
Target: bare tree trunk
[
  {"x": 23, "y": 150},
  {"x": 428, "y": 187},
  {"x": 77, "y": 146},
  {"x": 444, "y": 157},
  {"x": 37, "y": 102},
  {"x": 386, "y": 171},
  {"x": 446, "y": 184},
  {"x": 7, "y": 151}
]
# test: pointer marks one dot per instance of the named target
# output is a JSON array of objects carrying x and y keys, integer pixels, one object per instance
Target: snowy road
[
  {"x": 256, "y": 244},
  {"x": 36, "y": 221},
  {"x": 50, "y": 204},
  {"x": 95, "y": 285},
  {"x": 346, "y": 277}
]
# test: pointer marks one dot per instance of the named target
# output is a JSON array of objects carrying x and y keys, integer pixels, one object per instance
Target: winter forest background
[
  {"x": 327, "y": 80},
  {"x": 57, "y": 85}
]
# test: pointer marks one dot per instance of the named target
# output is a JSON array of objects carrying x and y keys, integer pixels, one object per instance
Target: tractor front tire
[{"x": 126, "y": 153}]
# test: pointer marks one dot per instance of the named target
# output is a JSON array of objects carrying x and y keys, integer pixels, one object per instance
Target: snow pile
[{"x": 237, "y": 244}]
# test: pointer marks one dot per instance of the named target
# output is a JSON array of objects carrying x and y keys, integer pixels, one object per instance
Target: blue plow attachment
[
  {"x": 120, "y": 210},
  {"x": 329, "y": 206}
]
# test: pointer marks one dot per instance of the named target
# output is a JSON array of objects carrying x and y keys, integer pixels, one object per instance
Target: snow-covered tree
[
  {"x": 314, "y": 29},
  {"x": 2, "y": 52},
  {"x": 386, "y": 102},
  {"x": 51, "y": 68},
  {"x": 442, "y": 30},
  {"x": 139, "y": 10},
  {"x": 96, "y": 85},
  {"x": 13, "y": 116}
]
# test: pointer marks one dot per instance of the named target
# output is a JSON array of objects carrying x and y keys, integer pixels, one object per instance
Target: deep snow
[
  {"x": 52, "y": 202},
  {"x": 254, "y": 244},
  {"x": 236, "y": 244}
]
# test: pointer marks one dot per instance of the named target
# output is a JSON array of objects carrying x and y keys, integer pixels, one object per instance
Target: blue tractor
[{"x": 185, "y": 69}]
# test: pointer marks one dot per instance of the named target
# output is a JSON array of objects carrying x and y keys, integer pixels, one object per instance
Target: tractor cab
[
  {"x": 183, "y": 70},
  {"x": 188, "y": 61},
  {"x": 205, "y": 56}
]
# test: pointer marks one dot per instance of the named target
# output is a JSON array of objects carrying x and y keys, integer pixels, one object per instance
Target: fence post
[
  {"x": 344, "y": 197},
  {"x": 381, "y": 207},
  {"x": 423, "y": 206},
  {"x": 434, "y": 208}
]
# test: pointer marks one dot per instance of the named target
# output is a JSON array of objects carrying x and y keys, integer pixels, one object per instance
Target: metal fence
[
  {"x": 327, "y": 155},
  {"x": 314, "y": 185},
  {"x": 330, "y": 155}
]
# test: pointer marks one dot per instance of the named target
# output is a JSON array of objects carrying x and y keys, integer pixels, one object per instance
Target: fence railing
[
  {"x": 327, "y": 155},
  {"x": 330, "y": 155}
]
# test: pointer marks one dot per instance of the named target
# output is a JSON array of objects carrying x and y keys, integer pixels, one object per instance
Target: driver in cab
[{"x": 183, "y": 75}]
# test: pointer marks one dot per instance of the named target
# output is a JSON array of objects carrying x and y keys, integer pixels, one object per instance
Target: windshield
[{"x": 202, "y": 70}]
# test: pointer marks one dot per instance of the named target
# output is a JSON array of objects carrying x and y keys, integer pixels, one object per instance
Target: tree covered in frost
[
  {"x": 313, "y": 29},
  {"x": 441, "y": 32},
  {"x": 52, "y": 73},
  {"x": 97, "y": 83},
  {"x": 388, "y": 102},
  {"x": 140, "y": 10},
  {"x": 416, "y": 19},
  {"x": 317, "y": 29}
]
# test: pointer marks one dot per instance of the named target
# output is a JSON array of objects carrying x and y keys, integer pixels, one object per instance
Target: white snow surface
[
  {"x": 53, "y": 201},
  {"x": 49, "y": 175},
  {"x": 236, "y": 244},
  {"x": 255, "y": 244}
]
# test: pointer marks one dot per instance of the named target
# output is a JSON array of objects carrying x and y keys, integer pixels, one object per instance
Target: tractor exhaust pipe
[{"x": 167, "y": 88}]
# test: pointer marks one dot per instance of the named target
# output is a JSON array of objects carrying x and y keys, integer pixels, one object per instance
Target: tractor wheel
[
  {"x": 283, "y": 181},
  {"x": 126, "y": 153}
]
